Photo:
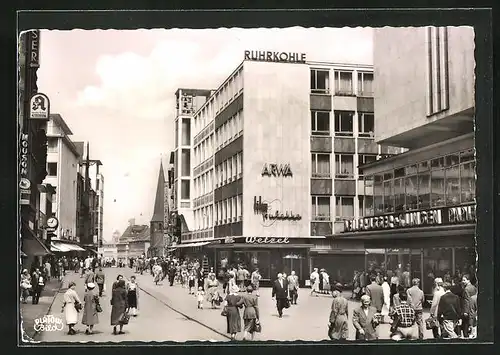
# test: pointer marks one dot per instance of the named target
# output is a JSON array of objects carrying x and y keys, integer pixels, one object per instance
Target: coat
[
  {"x": 251, "y": 303},
  {"x": 234, "y": 303},
  {"x": 119, "y": 305},
  {"x": 278, "y": 291},
  {"x": 70, "y": 313},
  {"x": 339, "y": 328},
  {"x": 366, "y": 322},
  {"x": 376, "y": 294},
  {"x": 90, "y": 315}
]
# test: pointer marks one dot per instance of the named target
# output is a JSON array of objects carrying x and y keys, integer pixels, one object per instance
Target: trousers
[{"x": 280, "y": 304}]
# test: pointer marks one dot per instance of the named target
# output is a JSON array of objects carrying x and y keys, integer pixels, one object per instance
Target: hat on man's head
[{"x": 90, "y": 285}]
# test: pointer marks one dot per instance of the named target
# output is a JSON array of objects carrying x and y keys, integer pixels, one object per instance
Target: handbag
[
  {"x": 78, "y": 306},
  {"x": 257, "y": 327},
  {"x": 125, "y": 318},
  {"x": 287, "y": 303},
  {"x": 98, "y": 308},
  {"x": 224, "y": 312},
  {"x": 431, "y": 323}
]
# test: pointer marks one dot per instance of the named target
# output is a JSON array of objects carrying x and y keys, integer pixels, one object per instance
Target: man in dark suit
[
  {"x": 469, "y": 291},
  {"x": 376, "y": 293},
  {"x": 280, "y": 293},
  {"x": 449, "y": 312},
  {"x": 364, "y": 320}
]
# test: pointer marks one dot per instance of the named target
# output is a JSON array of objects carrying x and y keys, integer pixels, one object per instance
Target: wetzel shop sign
[{"x": 433, "y": 217}]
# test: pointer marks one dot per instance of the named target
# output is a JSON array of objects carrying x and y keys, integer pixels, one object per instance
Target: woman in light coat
[
  {"x": 386, "y": 290},
  {"x": 213, "y": 296},
  {"x": 71, "y": 307},
  {"x": 250, "y": 314},
  {"x": 25, "y": 285},
  {"x": 90, "y": 314}
]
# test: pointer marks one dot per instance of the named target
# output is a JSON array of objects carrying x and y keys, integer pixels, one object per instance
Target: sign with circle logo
[{"x": 39, "y": 107}]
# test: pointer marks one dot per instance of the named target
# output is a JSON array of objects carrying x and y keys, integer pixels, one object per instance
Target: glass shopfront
[
  {"x": 424, "y": 263},
  {"x": 443, "y": 181}
]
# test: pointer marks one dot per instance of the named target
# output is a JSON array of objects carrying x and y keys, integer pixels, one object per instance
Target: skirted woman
[
  {"x": 119, "y": 308},
  {"x": 213, "y": 295},
  {"x": 90, "y": 308},
  {"x": 233, "y": 303},
  {"x": 157, "y": 273},
  {"x": 133, "y": 296},
  {"x": 25, "y": 285},
  {"x": 71, "y": 307},
  {"x": 250, "y": 314}
]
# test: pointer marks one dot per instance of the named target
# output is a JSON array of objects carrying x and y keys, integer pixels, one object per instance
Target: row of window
[
  {"x": 229, "y": 210},
  {"x": 203, "y": 218},
  {"x": 218, "y": 101},
  {"x": 343, "y": 82},
  {"x": 343, "y": 123},
  {"x": 321, "y": 208},
  {"x": 229, "y": 170},
  {"x": 229, "y": 131},
  {"x": 443, "y": 181},
  {"x": 203, "y": 184},
  {"x": 344, "y": 164}
]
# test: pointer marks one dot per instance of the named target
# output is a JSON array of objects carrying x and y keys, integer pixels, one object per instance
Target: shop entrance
[{"x": 293, "y": 262}]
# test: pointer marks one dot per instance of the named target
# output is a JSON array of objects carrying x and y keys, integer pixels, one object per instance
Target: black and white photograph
[{"x": 247, "y": 184}]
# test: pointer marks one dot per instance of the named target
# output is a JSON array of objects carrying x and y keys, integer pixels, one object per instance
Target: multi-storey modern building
[
  {"x": 422, "y": 210},
  {"x": 62, "y": 167},
  {"x": 275, "y": 155}
]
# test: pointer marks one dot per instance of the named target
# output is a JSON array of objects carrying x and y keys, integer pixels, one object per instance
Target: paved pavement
[
  {"x": 306, "y": 321},
  {"x": 155, "y": 321},
  {"x": 29, "y": 312}
]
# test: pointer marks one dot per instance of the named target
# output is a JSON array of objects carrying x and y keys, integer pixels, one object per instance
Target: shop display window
[{"x": 437, "y": 263}]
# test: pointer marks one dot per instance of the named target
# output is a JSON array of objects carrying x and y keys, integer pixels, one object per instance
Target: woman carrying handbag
[
  {"x": 71, "y": 307},
  {"x": 233, "y": 303},
  {"x": 91, "y": 308},
  {"x": 251, "y": 314}
]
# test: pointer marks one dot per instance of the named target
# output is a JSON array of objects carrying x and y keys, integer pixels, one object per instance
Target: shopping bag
[
  {"x": 224, "y": 312},
  {"x": 125, "y": 318},
  {"x": 287, "y": 303},
  {"x": 258, "y": 326}
]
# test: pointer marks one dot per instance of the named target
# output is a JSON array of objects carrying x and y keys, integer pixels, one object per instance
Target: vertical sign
[
  {"x": 34, "y": 48},
  {"x": 24, "y": 182}
]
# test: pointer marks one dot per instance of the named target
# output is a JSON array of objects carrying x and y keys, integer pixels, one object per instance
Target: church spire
[{"x": 159, "y": 198}]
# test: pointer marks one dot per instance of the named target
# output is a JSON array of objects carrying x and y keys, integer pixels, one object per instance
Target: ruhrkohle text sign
[{"x": 280, "y": 57}]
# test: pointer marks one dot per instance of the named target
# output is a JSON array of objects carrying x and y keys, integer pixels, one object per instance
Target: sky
[{"x": 116, "y": 90}]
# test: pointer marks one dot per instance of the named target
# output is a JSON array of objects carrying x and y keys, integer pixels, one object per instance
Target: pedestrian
[
  {"x": 71, "y": 307},
  {"x": 432, "y": 321},
  {"x": 364, "y": 320},
  {"x": 89, "y": 276},
  {"x": 314, "y": 279},
  {"x": 416, "y": 299},
  {"x": 395, "y": 298},
  {"x": 100, "y": 279},
  {"x": 119, "y": 309},
  {"x": 37, "y": 284},
  {"x": 473, "y": 316},
  {"x": 91, "y": 308},
  {"x": 403, "y": 324},
  {"x": 293, "y": 287},
  {"x": 133, "y": 296},
  {"x": 213, "y": 295},
  {"x": 449, "y": 312},
  {"x": 233, "y": 303},
  {"x": 118, "y": 278},
  {"x": 250, "y": 314},
  {"x": 200, "y": 295},
  {"x": 394, "y": 286},
  {"x": 26, "y": 286},
  {"x": 386, "y": 291},
  {"x": 255, "y": 279},
  {"x": 469, "y": 291},
  {"x": 325, "y": 288},
  {"x": 240, "y": 276},
  {"x": 48, "y": 269},
  {"x": 191, "y": 282},
  {"x": 376, "y": 293},
  {"x": 280, "y": 293},
  {"x": 338, "y": 328},
  {"x": 156, "y": 273}
]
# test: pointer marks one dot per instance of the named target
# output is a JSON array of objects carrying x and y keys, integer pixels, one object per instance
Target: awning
[
  {"x": 65, "y": 247},
  {"x": 33, "y": 246},
  {"x": 187, "y": 245}
]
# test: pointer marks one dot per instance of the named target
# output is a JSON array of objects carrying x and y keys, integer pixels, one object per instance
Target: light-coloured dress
[
  {"x": 70, "y": 312},
  {"x": 315, "y": 281}
]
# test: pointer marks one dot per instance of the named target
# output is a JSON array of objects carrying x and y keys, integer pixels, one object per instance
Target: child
[
  {"x": 200, "y": 295},
  {"x": 191, "y": 283}
]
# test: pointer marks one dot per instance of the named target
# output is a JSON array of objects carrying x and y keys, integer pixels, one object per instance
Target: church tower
[{"x": 156, "y": 223}]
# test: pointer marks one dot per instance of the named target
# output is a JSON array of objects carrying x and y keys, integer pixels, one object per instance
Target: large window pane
[
  {"x": 185, "y": 162},
  {"x": 344, "y": 165},
  {"x": 468, "y": 182},
  {"x": 411, "y": 188},
  {"x": 465, "y": 262},
  {"x": 378, "y": 194},
  {"x": 399, "y": 195},
  {"x": 453, "y": 185},
  {"x": 344, "y": 206},
  {"x": 320, "y": 165},
  {"x": 388, "y": 196},
  {"x": 437, "y": 263},
  {"x": 186, "y": 131},
  {"x": 424, "y": 189},
  {"x": 185, "y": 193},
  {"x": 368, "y": 191},
  {"x": 437, "y": 188}
]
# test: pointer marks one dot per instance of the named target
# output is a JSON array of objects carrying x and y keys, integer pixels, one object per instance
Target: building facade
[
  {"x": 62, "y": 168},
  {"x": 157, "y": 224},
  {"x": 134, "y": 242},
  {"x": 423, "y": 212},
  {"x": 275, "y": 165}
]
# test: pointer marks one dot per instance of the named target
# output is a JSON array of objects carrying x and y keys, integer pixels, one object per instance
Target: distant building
[
  {"x": 62, "y": 167},
  {"x": 134, "y": 242}
]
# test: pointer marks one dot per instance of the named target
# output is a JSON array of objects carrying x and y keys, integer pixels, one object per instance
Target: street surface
[
  {"x": 155, "y": 321},
  {"x": 170, "y": 314}
]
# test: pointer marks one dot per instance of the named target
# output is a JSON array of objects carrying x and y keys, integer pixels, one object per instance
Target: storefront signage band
[
  {"x": 255, "y": 240},
  {"x": 279, "y": 57},
  {"x": 277, "y": 170},
  {"x": 440, "y": 216}
]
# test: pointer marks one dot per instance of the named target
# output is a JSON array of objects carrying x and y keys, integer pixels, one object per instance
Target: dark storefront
[
  {"x": 271, "y": 255},
  {"x": 432, "y": 243}
]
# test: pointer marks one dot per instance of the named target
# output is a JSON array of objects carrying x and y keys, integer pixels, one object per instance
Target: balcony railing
[
  {"x": 344, "y": 176},
  {"x": 365, "y": 93},
  {"x": 344, "y": 92}
]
